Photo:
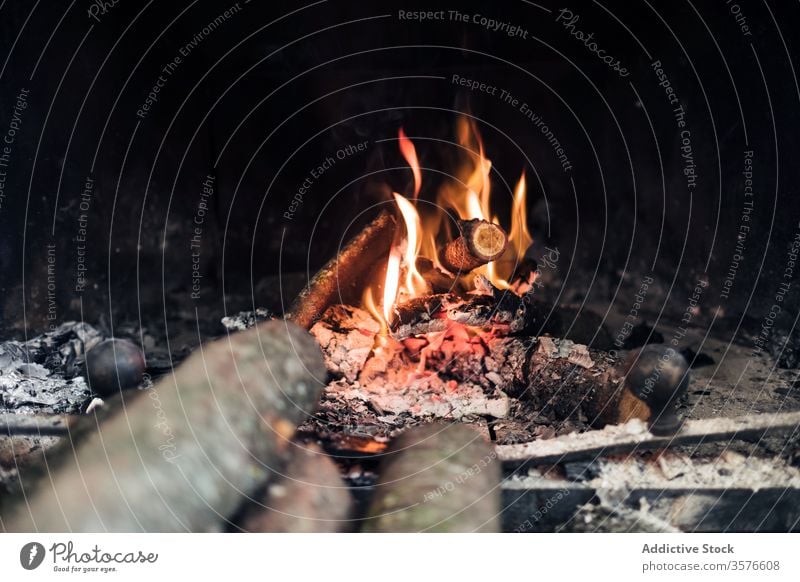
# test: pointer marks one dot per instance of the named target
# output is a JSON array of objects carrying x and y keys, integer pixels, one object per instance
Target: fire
[
  {"x": 410, "y": 154},
  {"x": 467, "y": 197},
  {"x": 415, "y": 284}
]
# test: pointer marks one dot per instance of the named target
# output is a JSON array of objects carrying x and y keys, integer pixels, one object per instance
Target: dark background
[{"x": 278, "y": 87}]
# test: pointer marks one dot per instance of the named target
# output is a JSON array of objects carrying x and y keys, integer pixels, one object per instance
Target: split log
[
  {"x": 181, "y": 457},
  {"x": 343, "y": 278},
  {"x": 310, "y": 498},
  {"x": 437, "y": 478},
  {"x": 480, "y": 242}
]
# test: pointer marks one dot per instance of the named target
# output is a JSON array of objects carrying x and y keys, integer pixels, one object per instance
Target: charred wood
[
  {"x": 342, "y": 279},
  {"x": 480, "y": 242}
]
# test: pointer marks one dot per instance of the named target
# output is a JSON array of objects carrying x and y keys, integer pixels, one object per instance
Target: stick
[
  {"x": 633, "y": 436},
  {"x": 183, "y": 456},
  {"x": 342, "y": 279},
  {"x": 480, "y": 242}
]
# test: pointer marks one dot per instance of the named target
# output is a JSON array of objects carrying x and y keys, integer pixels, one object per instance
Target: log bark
[
  {"x": 310, "y": 498},
  {"x": 182, "y": 456},
  {"x": 343, "y": 278},
  {"x": 437, "y": 478},
  {"x": 480, "y": 242}
]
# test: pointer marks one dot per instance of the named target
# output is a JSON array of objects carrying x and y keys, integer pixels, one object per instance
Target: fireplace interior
[{"x": 554, "y": 248}]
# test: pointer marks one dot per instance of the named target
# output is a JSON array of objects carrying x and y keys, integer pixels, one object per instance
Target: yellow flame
[
  {"x": 519, "y": 237},
  {"x": 415, "y": 284},
  {"x": 391, "y": 284}
]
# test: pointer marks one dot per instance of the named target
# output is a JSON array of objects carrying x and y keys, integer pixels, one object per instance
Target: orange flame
[
  {"x": 467, "y": 197},
  {"x": 410, "y": 154},
  {"x": 519, "y": 237}
]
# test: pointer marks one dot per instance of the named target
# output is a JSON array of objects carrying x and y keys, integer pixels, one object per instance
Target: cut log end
[{"x": 480, "y": 242}]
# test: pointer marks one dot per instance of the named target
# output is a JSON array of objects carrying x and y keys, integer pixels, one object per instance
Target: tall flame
[
  {"x": 410, "y": 154},
  {"x": 519, "y": 237}
]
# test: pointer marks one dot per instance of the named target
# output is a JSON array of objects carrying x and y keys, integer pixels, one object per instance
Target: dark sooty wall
[{"x": 153, "y": 150}]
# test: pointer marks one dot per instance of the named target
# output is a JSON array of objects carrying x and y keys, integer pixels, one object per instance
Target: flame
[
  {"x": 391, "y": 284},
  {"x": 519, "y": 237},
  {"x": 410, "y": 154},
  {"x": 415, "y": 284},
  {"x": 466, "y": 197}
]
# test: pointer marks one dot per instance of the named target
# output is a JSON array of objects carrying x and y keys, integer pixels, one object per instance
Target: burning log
[
  {"x": 500, "y": 310},
  {"x": 480, "y": 242},
  {"x": 437, "y": 478},
  {"x": 310, "y": 498},
  {"x": 180, "y": 458},
  {"x": 342, "y": 279}
]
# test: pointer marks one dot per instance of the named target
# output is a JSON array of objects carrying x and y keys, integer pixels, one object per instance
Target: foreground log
[
  {"x": 310, "y": 498},
  {"x": 437, "y": 478},
  {"x": 343, "y": 278},
  {"x": 181, "y": 457},
  {"x": 480, "y": 242}
]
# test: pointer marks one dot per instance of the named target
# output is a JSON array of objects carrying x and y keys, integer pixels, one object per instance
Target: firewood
[
  {"x": 343, "y": 278},
  {"x": 480, "y": 242},
  {"x": 437, "y": 478},
  {"x": 433, "y": 313},
  {"x": 310, "y": 498},
  {"x": 181, "y": 455}
]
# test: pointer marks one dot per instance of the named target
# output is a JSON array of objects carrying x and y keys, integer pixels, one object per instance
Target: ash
[
  {"x": 43, "y": 375},
  {"x": 246, "y": 319}
]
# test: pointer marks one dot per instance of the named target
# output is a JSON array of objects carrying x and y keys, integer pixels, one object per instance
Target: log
[
  {"x": 310, "y": 498},
  {"x": 343, "y": 278},
  {"x": 480, "y": 242},
  {"x": 437, "y": 478},
  {"x": 181, "y": 456}
]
